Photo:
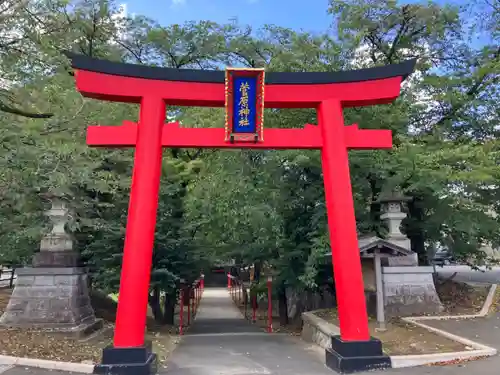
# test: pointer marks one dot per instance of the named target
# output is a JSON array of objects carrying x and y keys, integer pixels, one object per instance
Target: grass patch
[
  {"x": 42, "y": 345},
  {"x": 460, "y": 298}
]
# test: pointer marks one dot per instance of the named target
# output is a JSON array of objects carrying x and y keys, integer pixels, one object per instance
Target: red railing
[
  {"x": 195, "y": 291},
  {"x": 235, "y": 287}
]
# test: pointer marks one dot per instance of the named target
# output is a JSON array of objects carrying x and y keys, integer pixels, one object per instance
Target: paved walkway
[{"x": 222, "y": 342}]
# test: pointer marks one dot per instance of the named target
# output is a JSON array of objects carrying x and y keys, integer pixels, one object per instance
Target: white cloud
[{"x": 178, "y": 2}]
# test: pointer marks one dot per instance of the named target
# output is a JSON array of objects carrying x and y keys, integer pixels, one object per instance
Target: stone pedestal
[
  {"x": 53, "y": 299},
  {"x": 410, "y": 291}
]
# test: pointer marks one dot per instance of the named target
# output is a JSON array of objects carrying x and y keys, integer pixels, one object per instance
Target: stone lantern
[
  {"x": 56, "y": 247},
  {"x": 392, "y": 216},
  {"x": 53, "y": 295}
]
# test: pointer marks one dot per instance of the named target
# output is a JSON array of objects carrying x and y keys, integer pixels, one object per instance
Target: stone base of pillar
[
  {"x": 54, "y": 299},
  {"x": 60, "y": 259},
  {"x": 410, "y": 291},
  {"x": 348, "y": 357},
  {"x": 128, "y": 361}
]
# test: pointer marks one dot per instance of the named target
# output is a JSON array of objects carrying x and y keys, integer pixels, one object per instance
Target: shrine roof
[
  {"x": 82, "y": 62},
  {"x": 368, "y": 244}
]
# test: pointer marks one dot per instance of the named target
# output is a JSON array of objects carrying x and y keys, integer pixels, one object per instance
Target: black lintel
[{"x": 83, "y": 62}]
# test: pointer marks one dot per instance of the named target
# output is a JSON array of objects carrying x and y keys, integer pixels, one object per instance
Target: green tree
[{"x": 445, "y": 156}]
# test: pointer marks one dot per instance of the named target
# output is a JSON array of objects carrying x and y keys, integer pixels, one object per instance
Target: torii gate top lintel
[{"x": 121, "y": 82}]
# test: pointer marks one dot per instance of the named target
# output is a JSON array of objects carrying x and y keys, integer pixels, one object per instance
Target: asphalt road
[{"x": 466, "y": 274}]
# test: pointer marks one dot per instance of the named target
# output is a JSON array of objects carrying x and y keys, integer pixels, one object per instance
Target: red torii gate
[{"x": 154, "y": 88}]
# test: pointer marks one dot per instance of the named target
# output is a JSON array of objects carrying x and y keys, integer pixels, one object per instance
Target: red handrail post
[
  {"x": 189, "y": 308},
  {"x": 245, "y": 303},
  {"x": 181, "y": 316},
  {"x": 229, "y": 281},
  {"x": 240, "y": 290},
  {"x": 231, "y": 286},
  {"x": 254, "y": 307},
  {"x": 193, "y": 301},
  {"x": 269, "y": 305},
  {"x": 196, "y": 296}
]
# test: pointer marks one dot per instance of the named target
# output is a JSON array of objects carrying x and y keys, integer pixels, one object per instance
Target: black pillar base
[
  {"x": 347, "y": 357},
  {"x": 127, "y": 361}
]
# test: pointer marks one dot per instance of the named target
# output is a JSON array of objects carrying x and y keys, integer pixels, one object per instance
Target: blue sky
[
  {"x": 296, "y": 14},
  {"x": 289, "y": 13}
]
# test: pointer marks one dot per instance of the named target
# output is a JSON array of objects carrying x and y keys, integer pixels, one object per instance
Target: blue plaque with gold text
[{"x": 244, "y": 104}]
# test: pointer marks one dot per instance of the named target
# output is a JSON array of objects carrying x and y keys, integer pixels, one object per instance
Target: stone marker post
[
  {"x": 53, "y": 295},
  {"x": 380, "y": 290}
]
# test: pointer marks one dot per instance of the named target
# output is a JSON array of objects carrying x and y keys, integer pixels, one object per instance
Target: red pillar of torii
[{"x": 153, "y": 89}]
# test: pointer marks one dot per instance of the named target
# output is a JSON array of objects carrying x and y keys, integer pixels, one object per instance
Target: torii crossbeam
[
  {"x": 176, "y": 137},
  {"x": 154, "y": 88}
]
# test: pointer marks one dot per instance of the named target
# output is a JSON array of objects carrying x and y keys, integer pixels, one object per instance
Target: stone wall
[
  {"x": 410, "y": 291},
  {"x": 317, "y": 330},
  {"x": 299, "y": 302}
]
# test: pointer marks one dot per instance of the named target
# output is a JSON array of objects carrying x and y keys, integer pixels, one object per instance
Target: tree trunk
[
  {"x": 375, "y": 206},
  {"x": 235, "y": 271},
  {"x": 169, "y": 309},
  {"x": 154, "y": 302},
  {"x": 414, "y": 230},
  {"x": 256, "y": 275},
  {"x": 282, "y": 307}
]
